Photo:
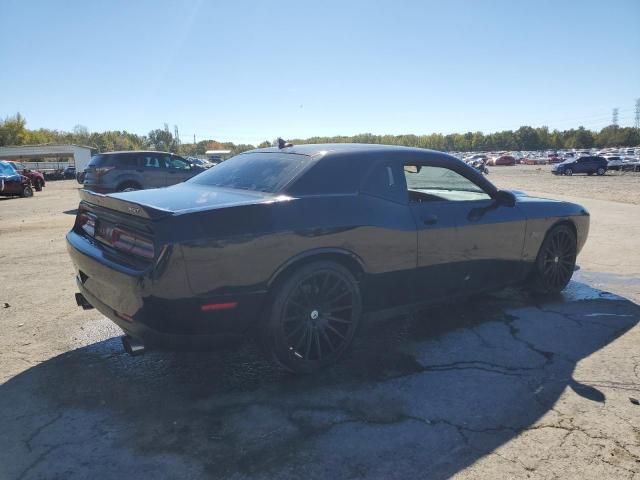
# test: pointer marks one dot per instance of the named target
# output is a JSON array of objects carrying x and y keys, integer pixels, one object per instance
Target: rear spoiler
[{"x": 123, "y": 206}]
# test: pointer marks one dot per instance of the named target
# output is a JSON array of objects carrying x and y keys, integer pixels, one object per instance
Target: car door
[
  {"x": 178, "y": 169},
  {"x": 154, "y": 169},
  {"x": 583, "y": 165},
  {"x": 467, "y": 241}
]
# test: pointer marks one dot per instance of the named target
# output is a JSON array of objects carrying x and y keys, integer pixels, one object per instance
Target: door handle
[{"x": 430, "y": 219}]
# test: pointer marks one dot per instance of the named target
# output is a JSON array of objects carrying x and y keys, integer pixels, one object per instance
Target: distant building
[{"x": 77, "y": 155}]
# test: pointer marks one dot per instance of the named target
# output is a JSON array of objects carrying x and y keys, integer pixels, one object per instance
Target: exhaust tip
[
  {"x": 132, "y": 346},
  {"x": 81, "y": 301}
]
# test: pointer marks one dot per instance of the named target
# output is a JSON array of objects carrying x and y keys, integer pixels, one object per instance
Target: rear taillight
[
  {"x": 87, "y": 222},
  {"x": 122, "y": 239},
  {"x": 129, "y": 242},
  {"x": 126, "y": 241},
  {"x": 100, "y": 171}
]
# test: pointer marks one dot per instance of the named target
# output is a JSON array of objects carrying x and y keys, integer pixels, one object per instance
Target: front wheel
[
  {"x": 555, "y": 262},
  {"x": 568, "y": 172},
  {"x": 27, "y": 191},
  {"x": 314, "y": 316}
]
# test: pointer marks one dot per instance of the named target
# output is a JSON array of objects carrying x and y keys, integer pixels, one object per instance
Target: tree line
[{"x": 13, "y": 131}]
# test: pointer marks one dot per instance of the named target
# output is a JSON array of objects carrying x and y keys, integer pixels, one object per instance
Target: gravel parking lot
[{"x": 506, "y": 386}]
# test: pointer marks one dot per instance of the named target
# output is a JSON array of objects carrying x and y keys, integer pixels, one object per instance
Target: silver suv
[{"x": 137, "y": 170}]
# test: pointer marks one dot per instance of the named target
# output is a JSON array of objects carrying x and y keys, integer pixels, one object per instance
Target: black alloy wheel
[
  {"x": 314, "y": 317},
  {"x": 568, "y": 172},
  {"x": 556, "y": 260},
  {"x": 600, "y": 171}
]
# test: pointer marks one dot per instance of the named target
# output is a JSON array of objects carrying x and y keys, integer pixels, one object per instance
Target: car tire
[
  {"x": 568, "y": 172},
  {"x": 600, "y": 171},
  {"x": 555, "y": 262},
  {"x": 38, "y": 185},
  {"x": 128, "y": 187},
  {"x": 27, "y": 191},
  {"x": 314, "y": 314}
]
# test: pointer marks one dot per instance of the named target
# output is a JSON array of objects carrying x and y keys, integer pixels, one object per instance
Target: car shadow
[
  {"x": 426, "y": 395},
  {"x": 71, "y": 212}
]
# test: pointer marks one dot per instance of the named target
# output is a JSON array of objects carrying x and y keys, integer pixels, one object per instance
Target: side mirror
[{"x": 505, "y": 198}]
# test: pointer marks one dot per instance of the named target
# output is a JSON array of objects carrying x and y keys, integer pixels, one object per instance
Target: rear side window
[
  {"x": 385, "y": 181},
  {"x": 127, "y": 161},
  {"x": 100, "y": 160},
  {"x": 332, "y": 175},
  {"x": 153, "y": 160}
]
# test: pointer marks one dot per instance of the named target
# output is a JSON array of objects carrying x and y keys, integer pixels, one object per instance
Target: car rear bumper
[{"x": 145, "y": 307}]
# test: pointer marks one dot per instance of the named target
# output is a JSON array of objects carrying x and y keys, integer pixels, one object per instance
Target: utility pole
[
  {"x": 614, "y": 117},
  {"x": 176, "y": 135},
  {"x": 637, "y": 113},
  {"x": 194, "y": 138}
]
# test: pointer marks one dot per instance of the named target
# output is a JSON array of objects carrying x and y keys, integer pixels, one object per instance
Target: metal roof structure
[{"x": 53, "y": 150}]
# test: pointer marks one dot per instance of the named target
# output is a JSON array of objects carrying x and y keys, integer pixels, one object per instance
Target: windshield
[
  {"x": 261, "y": 172},
  {"x": 6, "y": 169}
]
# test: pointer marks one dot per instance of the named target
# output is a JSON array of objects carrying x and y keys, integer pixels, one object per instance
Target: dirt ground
[{"x": 503, "y": 387}]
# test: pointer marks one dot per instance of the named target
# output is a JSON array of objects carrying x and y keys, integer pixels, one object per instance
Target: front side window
[
  {"x": 426, "y": 183},
  {"x": 179, "y": 163}
]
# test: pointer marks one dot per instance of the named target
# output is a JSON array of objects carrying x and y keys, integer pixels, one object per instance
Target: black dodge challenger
[{"x": 300, "y": 243}]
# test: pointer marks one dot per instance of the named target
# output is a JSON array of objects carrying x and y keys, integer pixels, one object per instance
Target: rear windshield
[{"x": 262, "y": 172}]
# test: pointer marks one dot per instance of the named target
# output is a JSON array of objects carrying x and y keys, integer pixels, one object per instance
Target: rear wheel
[
  {"x": 568, "y": 172},
  {"x": 600, "y": 171},
  {"x": 555, "y": 262},
  {"x": 38, "y": 185},
  {"x": 314, "y": 316}
]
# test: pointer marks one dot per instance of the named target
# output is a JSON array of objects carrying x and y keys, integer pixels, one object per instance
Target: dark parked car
[
  {"x": 69, "y": 172},
  {"x": 36, "y": 178},
  {"x": 12, "y": 184},
  {"x": 300, "y": 243},
  {"x": 588, "y": 165},
  {"x": 127, "y": 171}
]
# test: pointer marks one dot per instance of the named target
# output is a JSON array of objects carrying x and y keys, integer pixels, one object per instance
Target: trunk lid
[{"x": 178, "y": 199}]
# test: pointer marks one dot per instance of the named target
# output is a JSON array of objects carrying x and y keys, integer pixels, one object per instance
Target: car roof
[
  {"x": 135, "y": 151},
  {"x": 326, "y": 149}
]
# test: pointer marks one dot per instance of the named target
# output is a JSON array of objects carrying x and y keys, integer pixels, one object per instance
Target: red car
[
  {"x": 12, "y": 183},
  {"x": 37, "y": 178},
  {"x": 502, "y": 160}
]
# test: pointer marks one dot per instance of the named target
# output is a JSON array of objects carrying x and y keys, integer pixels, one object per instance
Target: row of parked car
[
  {"x": 13, "y": 183},
  {"x": 565, "y": 163}
]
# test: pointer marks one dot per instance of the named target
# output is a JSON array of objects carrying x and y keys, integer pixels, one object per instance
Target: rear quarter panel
[{"x": 242, "y": 248}]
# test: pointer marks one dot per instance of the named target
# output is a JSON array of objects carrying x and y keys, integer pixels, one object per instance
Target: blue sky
[{"x": 245, "y": 71}]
